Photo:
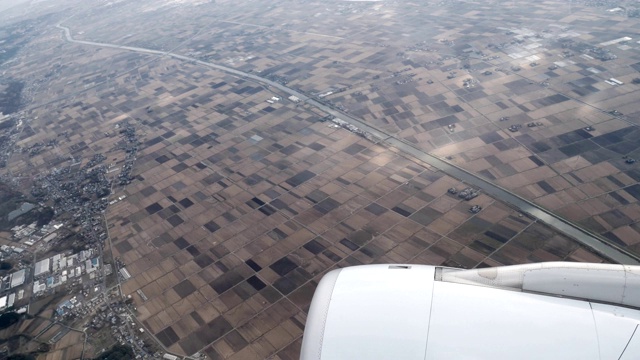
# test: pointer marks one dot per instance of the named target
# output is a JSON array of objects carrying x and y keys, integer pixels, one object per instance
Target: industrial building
[
  {"x": 17, "y": 278},
  {"x": 42, "y": 267}
]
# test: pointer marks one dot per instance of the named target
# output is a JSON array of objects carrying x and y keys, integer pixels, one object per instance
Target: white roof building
[
  {"x": 17, "y": 278},
  {"x": 125, "y": 274},
  {"x": 42, "y": 267},
  {"x": 39, "y": 286},
  {"x": 59, "y": 261},
  {"x": 91, "y": 265}
]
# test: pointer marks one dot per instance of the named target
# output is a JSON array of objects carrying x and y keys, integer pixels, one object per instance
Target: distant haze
[{"x": 7, "y": 4}]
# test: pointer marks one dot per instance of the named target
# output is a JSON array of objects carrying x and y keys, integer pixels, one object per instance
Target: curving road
[{"x": 587, "y": 238}]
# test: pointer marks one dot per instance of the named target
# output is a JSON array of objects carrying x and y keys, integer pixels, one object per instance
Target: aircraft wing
[{"x": 536, "y": 311}]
